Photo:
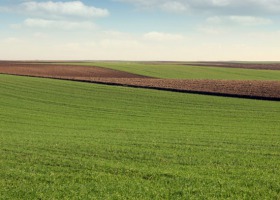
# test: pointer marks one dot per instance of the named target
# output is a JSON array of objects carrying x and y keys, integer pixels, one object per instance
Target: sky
[{"x": 165, "y": 30}]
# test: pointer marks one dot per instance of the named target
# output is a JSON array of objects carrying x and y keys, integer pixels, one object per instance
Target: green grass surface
[
  {"x": 188, "y": 72},
  {"x": 70, "y": 140},
  {"x": 257, "y": 62}
]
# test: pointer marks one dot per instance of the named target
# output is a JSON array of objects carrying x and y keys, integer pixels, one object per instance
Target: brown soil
[
  {"x": 61, "y": 71},
  {"x": 267, "y": 90}
]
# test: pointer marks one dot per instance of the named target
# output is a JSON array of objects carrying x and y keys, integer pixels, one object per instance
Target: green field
[
  {"x": 188, "y": 72},
  {"x": 70, "y": 140}
]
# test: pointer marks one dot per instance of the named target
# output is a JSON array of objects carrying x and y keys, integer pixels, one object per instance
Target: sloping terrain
[
  {"x": 267, "y": 90},
  {"x": 71, "y": 140}
]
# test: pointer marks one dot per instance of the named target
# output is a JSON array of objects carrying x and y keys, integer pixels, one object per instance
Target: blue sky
[{"x": 140, "y": 30}]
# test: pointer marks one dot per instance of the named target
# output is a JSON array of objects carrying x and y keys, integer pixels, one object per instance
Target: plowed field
[
  {"x": 61, "y": 71},
  {"x": 269, "y": 90}
]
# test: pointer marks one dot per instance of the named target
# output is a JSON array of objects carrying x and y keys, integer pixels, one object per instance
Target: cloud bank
[
  {"x": 60, "y": 9},
  {"x": 56, "y": 15},
  {"x": 237, "y": 7},
  {"x": 159, "y": 36},
  {"x": 239, "y": 20}
]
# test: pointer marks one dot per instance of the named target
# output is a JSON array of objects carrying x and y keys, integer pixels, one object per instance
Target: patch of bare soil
[
  {"x": 61, "y": 71},
  {"x": 266, "y": 90}
]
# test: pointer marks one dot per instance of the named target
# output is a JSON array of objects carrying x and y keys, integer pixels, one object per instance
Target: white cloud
[
  {"x": 212, "y": 30},
  {"x": 55, "y": 15},
  {"x": 54, "y": 24},
  {"x": 239, "y": 20},
  {"x": 144, "y": 3},
  {"x": 55, "y": 9},
  {"x": 214, "y": 20},
  {"x": 4, "y": 9},
  {"x": 235, "y": 7},
  {"x": 158, "y": 36},
  {"x": 115, "y": 34},
  {"x": 250, "y": 20},
  {"x": 174, "y": 6},
  {"x": 61, "y": 9},
  {"x": 221, "y": 2},
  {"x": 12, "y": 40},
  {"x": 119, "y": 43},
  {"x": 40, "y": 35}
]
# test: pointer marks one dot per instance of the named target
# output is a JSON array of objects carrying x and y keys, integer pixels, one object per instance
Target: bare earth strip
[
  {"x": 267, "y": 90},
  {"x": 62, "y": 71}
]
